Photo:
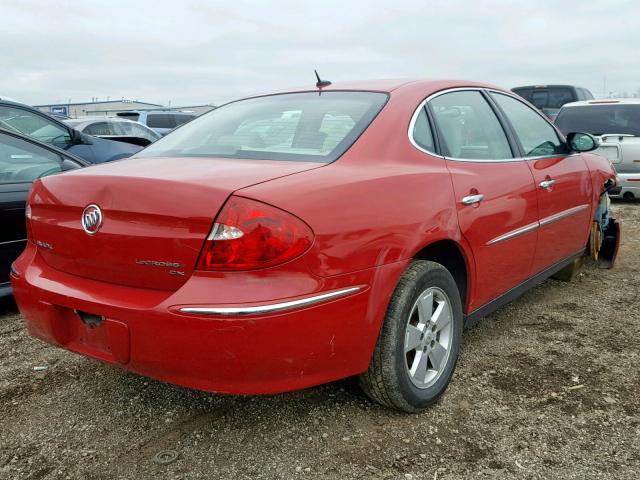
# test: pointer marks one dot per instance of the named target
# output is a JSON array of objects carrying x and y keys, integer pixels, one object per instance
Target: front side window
[
  {"x": 34, "y": 125},
  {"x": 537, "y": 137},
  {"x": 22, "y": 161},
  {"x": 469, "y": 127},
  {"x": 294, "y": 126}
]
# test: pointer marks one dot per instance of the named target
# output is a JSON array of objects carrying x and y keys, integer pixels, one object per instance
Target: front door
[
  {"x": 562, "y": 183},
  {"x": 495, "y": 193},
  {"x": 21, "y": 162}
]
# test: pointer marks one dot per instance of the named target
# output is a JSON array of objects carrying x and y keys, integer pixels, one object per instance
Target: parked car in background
[
  {"x": 22, "y": 160},
  {"x": 616, "y": 124},
  {"x": 30, "y": 121},
  {"x": 355, "y": 237},
  {"x": 119, "y": 129},
  {"x": 162, "y": 121},
  {"x": 549, "y": 98}
]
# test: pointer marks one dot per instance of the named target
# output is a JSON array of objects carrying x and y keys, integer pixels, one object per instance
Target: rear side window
[
  {"x": 422, "y": 132},
  {"x": 469, "y": 127},
  {"x": 295, "y": 126},
  {"x": 537, "y": 137},
  {"x": 23, "y": 162}
]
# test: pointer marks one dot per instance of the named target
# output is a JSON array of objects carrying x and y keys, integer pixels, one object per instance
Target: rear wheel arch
[{"x": 450, "y": 255}]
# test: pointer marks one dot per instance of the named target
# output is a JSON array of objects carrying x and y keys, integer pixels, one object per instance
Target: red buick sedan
[{"x": 287, "y": 240}]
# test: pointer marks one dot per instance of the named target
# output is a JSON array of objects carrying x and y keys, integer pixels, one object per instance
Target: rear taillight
[
  {"x": 249, "y": 234},
  {"x": 27, "y": 214}
]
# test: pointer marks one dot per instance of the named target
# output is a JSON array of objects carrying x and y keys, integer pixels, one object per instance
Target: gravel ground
[{"x": 546, "y": 387}]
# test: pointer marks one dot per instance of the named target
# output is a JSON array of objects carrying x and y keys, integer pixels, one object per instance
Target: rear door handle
[
  {"x": 471, "y": 199},
  {"x": 547, "y": 183}
]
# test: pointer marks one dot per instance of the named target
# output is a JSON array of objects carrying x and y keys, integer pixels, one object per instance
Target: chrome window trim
[
  {"x": 271, "y": 308},
  {"x": 563, "y": 214},
  {"x": 416, "y": 112}
]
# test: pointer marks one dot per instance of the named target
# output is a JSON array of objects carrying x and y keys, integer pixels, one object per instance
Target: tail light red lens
[
  {"x": 27, "y": 214},
  {"x": 249, "y": 234}
]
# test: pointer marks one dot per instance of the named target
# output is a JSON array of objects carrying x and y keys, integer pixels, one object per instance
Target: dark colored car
[
  {"x": 30, "y": 121},
  {"x": 549, "y": 98},
  {"x": 22, "y": 160}
]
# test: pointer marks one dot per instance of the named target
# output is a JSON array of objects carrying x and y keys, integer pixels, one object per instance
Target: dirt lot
[{"x": 547, "y": 387}]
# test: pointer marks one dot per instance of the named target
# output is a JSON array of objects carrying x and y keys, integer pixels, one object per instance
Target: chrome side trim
[
  {"x": 560, "y": 215},
  {"x": 514, "y": 233},
  {"x": 13, "y": 241},
  {"x": 532, "y": 226},
  {"x": 274, "y": 307}
]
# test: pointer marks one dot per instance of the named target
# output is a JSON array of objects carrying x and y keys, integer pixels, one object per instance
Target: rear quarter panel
[{"x": 379, "y": 203}]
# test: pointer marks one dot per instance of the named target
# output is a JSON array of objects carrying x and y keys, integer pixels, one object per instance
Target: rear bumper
[{"x": 150, "y": 332}]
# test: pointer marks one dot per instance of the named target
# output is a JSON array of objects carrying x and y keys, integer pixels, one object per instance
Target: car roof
[
  {"x": 418, "y": 86},
  {"x": 604, "y": 101},
  {"x": 80, "y": 121},
  {"x": 547, "y": 86},
  {"x": 155, "y": 110}
]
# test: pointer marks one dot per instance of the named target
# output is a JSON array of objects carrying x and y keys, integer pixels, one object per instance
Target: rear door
[
  {"x": 21, "y": 162},
  {"x": 562, "y": 183},
  {"x": 495, "y": 192}
]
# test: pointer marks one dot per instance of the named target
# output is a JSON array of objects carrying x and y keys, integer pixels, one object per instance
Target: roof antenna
[{"x": 321, "y": 83}]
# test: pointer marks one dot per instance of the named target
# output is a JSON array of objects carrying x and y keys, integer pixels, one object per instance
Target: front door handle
[
  {"x": 471, "y": 199},
  {"x": 547, "y": 183}
]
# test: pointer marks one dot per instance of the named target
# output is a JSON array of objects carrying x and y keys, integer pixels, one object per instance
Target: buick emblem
[{"x": 91, "y": 219}]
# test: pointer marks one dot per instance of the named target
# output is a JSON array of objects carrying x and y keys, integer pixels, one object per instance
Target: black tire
[{"x": 387, "y": 380}]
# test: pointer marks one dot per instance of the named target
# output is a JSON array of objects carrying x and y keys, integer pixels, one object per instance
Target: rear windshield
[
  {"x": 295, "y": 126},
  {"x": 547, "y": 98},
  {"x": 600, "y": 119}
]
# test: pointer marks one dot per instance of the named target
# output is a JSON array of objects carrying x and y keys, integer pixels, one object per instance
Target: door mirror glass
[{"x": 581, "y": 142}]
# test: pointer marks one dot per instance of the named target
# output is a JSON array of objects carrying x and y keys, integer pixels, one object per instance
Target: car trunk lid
[{"x": 156, "y": 214}]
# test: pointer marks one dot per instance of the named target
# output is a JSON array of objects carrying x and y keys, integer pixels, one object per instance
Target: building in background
[{"x": 110, "y": 108}]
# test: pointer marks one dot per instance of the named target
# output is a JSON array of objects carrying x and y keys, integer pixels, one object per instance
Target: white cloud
[{"x": 204, "y": 51}]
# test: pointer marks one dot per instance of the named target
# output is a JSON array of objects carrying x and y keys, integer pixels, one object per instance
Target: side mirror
[{"x": 582, "y": 142}]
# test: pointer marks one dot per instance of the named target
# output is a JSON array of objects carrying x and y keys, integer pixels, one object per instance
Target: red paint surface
[{"x": 370, "y": 212}]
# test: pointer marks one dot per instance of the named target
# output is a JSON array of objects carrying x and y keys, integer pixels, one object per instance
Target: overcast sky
[{"x": 193, "y": 52}]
